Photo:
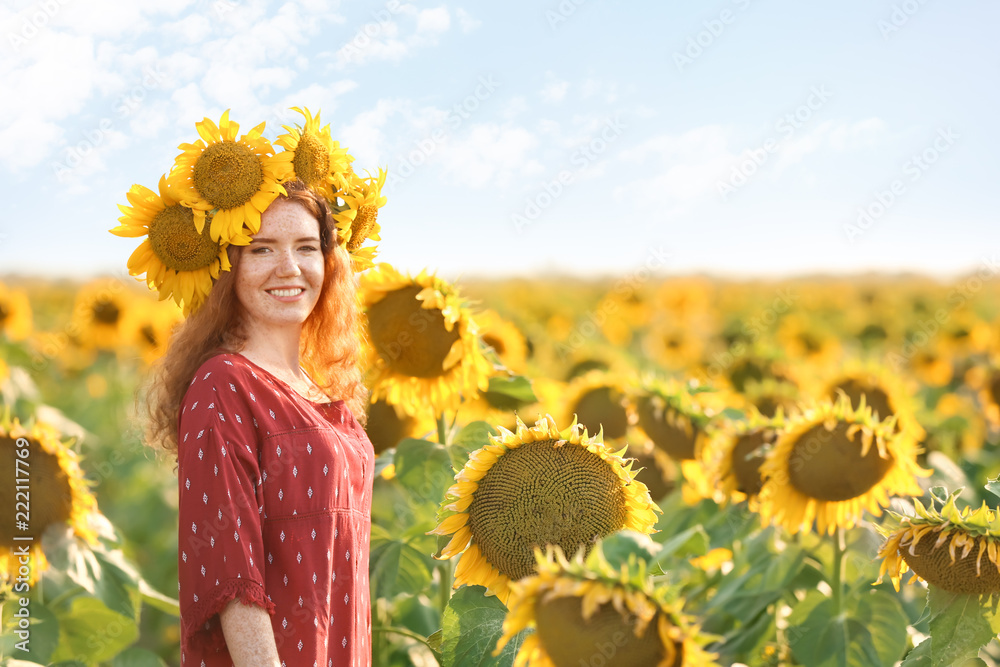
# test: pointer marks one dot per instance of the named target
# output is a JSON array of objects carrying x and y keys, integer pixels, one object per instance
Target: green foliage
[
  {"x": 509, "y": 392},
  {"x": 960, "y": 626},
  {"x": 472, "y": 624}
]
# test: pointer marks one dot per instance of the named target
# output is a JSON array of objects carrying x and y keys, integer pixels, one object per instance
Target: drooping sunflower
[
  {"x": 99, "y": 311},
  {"x": 831, "y": 463},
  {"x": 357, "y": 218},
  {"x": 534, "y": 487},
  {"x": 315, "y": 158},
  {"x": 737, "y": 449},
  {"x": 600, "y": 401},
  {"x": 59, "y": 492},
  {"x": 237, "y": 179},
  {"x": 387, "y": 425},
  {"x": 674, "y": 416},
  {"x": 15, "y": 314},
  {"x": 178, "y": 260},
  {"x": 424, "y": 354},
  {"x": 956, "y": 550},
  {"x": 583, "y": 610}
]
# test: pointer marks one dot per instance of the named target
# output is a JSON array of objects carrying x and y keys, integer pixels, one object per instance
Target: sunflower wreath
[{"x": 217, "y": 189}]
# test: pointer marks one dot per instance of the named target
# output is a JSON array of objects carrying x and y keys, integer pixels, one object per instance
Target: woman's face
[{"x": 280, "y": 274}]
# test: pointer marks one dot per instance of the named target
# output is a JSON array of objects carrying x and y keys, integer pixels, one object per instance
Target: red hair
[{"x": 328, "y": 349}]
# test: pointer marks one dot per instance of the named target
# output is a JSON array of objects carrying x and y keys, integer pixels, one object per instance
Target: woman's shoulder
[{"x": 224, "y": 370}]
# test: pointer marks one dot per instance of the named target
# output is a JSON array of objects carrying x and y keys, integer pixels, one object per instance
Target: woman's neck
[{"x": 274, "y": 350}]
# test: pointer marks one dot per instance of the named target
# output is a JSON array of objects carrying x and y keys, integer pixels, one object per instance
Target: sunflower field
[{"x": 639, "y": 470}]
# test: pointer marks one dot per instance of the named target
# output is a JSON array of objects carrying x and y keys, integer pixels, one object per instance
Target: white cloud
[
  {"x": 465, "y": 20},
  {"x": 830, "y": 135},
  {"x": 489, "y": 154},
  {"x": 555, "y": 91},
  {"x": 385, "y": 40}
]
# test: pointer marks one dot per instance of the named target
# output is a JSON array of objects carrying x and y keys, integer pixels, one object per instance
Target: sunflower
[
  {"x": 505, "y": 338},
  {"x": 534, "y": 487},
  {"x": 425, "y": 354},
  {"x": 885, "y": 392},
  {"x": 236, "y": 178},
  {"x": 315, "y": 158},
  {"x": 15, "y": 314},
  {"x": 955, "y": 550},
  {"x": 59, "y": 492},
  {"x": 770, "y": 395},
  {"x": 584, "y": 610},
  {"x": 831, "y": 463},
  {"x": 148, "y": 325},
  {"x": 178, "y": 260},
  {"x": 99, "y": 311},
  {"x": 674, "y": 417},
  {"x": 599, "y": 400},
  {"x": 357, "y": 218},
  {"x": 737, "y": 449},
  {"x": 387, "y": 425}
]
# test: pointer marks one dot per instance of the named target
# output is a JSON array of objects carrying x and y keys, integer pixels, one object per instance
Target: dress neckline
[{"x": 287, "y": 386}]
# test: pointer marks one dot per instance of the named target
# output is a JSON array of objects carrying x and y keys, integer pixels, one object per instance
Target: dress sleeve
[{"x": 220, "y": 548}]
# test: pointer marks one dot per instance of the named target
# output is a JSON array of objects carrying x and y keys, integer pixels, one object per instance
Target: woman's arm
[{"x": 249, "y": 637}]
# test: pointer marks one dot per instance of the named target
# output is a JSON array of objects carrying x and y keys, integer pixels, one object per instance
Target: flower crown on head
[{"x": 217, "y": 189}]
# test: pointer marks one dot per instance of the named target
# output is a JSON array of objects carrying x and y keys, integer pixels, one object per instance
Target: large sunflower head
[
  {"x": 583, "y": 611},
  {"x": 60, "y": 494},
  {"x": 831, "y": 463},
  {"x": 956, "y": 550},
  {"x": 534, "y": 487},
  {"x": 424, "y": 351},
  {"x": 15, "y": 314},
  {"x": 236, "y": 178},
  {"x": 315, "y": 158},
  {"x": 178, "y": 260},
  {"x": 148, "y": 326}
]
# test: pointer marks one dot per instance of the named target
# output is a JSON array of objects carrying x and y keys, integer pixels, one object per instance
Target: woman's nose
[{"x": 288, "y": 266}]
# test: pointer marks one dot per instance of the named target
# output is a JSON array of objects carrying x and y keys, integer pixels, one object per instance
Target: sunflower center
[
  {"x": 827, "y": 465},
  {"x": 746, "y": 461},
  {"x": 602, "y": 406},
  {"x": 312, "y": 160},
  {"x": 51, "y": 493},
  {"x": 411, "y": 340},
  {"x": 384, "y": 428},
  {"x": 228, "y": 175},
  {"x": 934, "y": 565},
  {"x": 539, "y": 494},
  {"x": 493, "y": 341},
  {"x": 606, "y": 638},
  {"x": 362, "y": 225},
  {"x": 874, "y": 397},
  {"x": 995, "y": 388},
  {"x": 674, "y": 439},
  {"x": 177, "y": 243},
  {"x": 3, "y": 311},
  {"x": 148, "y": 334},
  {"x": 105, "y": 311}
]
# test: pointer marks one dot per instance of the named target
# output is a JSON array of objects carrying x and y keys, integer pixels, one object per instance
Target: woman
[{"x": 275, "y": 476}]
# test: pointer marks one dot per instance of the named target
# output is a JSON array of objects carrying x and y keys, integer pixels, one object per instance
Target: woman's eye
[
  {"x": 309, "y": 247},
  {"x": 259, "y": 250}
]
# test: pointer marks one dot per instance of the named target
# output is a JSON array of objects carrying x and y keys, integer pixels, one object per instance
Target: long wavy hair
[{"x": 329, "y": 347}]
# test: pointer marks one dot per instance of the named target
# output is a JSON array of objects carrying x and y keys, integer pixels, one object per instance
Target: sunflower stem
[
  {"x": 839, "y": 549},
  {"x": 401, "y": 631}
]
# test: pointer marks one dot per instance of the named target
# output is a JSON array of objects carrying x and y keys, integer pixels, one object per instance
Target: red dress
[{"x": 275, "y": 510}]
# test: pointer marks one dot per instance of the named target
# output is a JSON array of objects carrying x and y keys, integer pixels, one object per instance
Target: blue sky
[{"x": 736, "y": 137}]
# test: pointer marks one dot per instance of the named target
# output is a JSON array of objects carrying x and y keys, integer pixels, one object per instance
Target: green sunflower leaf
[
  {"x": 91, "y": 632},
  {"x": 509, "y": 393},
  {"x": 960, "y": 626},
  {"x": 424, "y": 469},
  {"x": 395, "y": 566},
  {"x": 820, "y": 637},
  {"x": 472, "y": 624},
  {"x": 993, "y": 486}
]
